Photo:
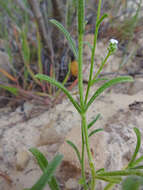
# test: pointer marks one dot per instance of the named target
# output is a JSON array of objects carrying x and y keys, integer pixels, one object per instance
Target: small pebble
[
  {"x": 71, "y": 184},
  {"x": 22, "y": 159}
]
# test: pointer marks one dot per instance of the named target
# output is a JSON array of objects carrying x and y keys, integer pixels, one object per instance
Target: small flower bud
[
  {"x": 113, "y": 46},
  {"x": 113, "y": 41}
]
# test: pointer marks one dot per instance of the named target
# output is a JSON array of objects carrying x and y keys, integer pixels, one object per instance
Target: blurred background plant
[{"x": 34, "y": 45}]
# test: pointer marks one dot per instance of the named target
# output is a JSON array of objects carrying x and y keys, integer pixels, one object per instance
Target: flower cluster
[{"x": 113, "y": 46}]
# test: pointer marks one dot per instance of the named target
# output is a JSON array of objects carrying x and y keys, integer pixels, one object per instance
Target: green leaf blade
[
  {"x": 41, "y": 160},
  {"x": 131, "y": 182},
  {"x": 67, "y": 35},
  {"x": 94, "y": 131},
  {"x": 101, "y": 19},
  {"x": 138, "y": 135},
  {"x": 40, "y": 184},
  {"x": 140, "y": 167},
  {"x": 122, "y": 173},
  {"x": 94, "y": 121},
  {"x": 114, "y": 180},
  {"x": 98, "y": 80},
  {"x": 76, "y": 150},
  {"x": 107, "y": 85},
  {"x": 43, "y": 163},
  {"x": 140, "y": 159},
  {"x": 60, "y": 86},
  {"x": 11, "y": 89}
]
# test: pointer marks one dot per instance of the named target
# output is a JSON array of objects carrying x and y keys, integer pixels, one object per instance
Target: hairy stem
[
  {"x": 89, "y": 154},
  {"x": 85, "y": 138},
  {"x": 81, "y": 25},
  {"x": 101, "y": 67},
  {"x": 82, "y": 160},
  {"x": 93, "y": 51},
  {"x": 80, "y": 75}
]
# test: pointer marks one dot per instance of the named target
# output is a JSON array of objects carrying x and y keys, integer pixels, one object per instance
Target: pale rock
[
  {"x": 136, "y": 86},
  {"x": 4, "y": 185},
  {"x": 29, "y": 177},
  {"x": 16, "y": 187},
  {"x": 71, "y": 184},
  {"x": 22, "y": 159},
  {"x": 11, "y": 187},
  {"x": 49, "y": 135}
]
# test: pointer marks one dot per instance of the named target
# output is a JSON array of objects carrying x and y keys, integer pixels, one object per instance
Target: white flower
[
  {"x": 113, "y": 46},
  {"x": 113, "y": 41}
]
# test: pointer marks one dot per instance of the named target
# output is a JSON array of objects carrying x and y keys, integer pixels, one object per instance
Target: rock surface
[
  {"x": 22, "y": 158},
  {"x": 49, "y": 135},
  {"x": 71, "y": 184}
]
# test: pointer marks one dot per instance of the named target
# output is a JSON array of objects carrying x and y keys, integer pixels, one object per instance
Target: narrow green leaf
[
  {"x": 112, "y": 179},
  {"x": 100, "y": 170},
  {"x": 122, "y": 173},
  {"x": 67, "y": 35},
  {"x": 53, "y": 184},
  {"x": 81, "y": 19},
  {"x": 94, "y": 121},
  {"x": 25, "y": 46},
  {"x": 138, "y": 134},
  {"x": 40, "y": 184},
  {"x": 76, "y": 150},
  {"x": 137, "y": 167},
  {"x": 94, "y": 131},
  {"x": 107, "y": 85},
  {"x": 101, "y": 19},
  {"x": 131, "y": 182},
  {"x": 100, "y": 68},
  {"x": 97, "y": 80},
  {"x": 43, "y": 163},
  {"x": 12, "y": 90},
  {"x": 140, "y": 159},
  {"x": 59, "y": 85}
]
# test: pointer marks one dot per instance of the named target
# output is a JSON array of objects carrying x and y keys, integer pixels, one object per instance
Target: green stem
[
  {"x": 81, "y": 23},
  {"x": 80, "y": 75},
  {"x": 89, "y": 154},
  {"x": 81, "y": 7},
  {"x": 101, "y": 67},
  {"x": 85, "y": 138},
  {"x": 93, "y": 51},
  {"x": 82, "y": 161}
]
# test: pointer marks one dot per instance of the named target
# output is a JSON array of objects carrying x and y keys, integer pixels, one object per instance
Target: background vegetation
[{"x": 34, "y": 45}]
